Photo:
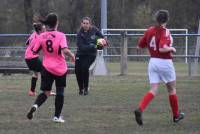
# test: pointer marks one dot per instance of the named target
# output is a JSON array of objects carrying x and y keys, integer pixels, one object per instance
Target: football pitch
[{"x": 108, "y": 109}]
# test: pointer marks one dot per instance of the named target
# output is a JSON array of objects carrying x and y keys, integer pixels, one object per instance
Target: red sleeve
[
  {"x": 143, "y": 41},
  {"x": 164, "y": 39}
]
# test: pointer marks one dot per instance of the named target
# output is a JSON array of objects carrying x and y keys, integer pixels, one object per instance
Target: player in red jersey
[
  {"x": 33, "y": 62},
  {"x": 54, "y": 45},
  {"x": 159, "y": 41}
]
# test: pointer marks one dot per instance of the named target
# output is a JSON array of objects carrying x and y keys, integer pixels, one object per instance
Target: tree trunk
[
  {"x": 43, "y": 8},
  {"x": 28, "y": 12}
]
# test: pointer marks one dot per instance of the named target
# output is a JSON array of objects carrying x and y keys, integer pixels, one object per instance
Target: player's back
[
  {"x": 52, "y": 43},
  {"x": 155, "y": 38}
]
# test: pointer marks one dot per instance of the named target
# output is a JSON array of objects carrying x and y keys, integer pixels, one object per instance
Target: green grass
[
  {"x": 140, "y": 68},
  {"x": 108, "y": 108}
]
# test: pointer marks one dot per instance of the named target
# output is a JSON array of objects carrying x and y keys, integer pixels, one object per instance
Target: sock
[
  {"x": 40, "y": 99},
  {"x": 58, "y": 105},
  {"x": 33, "y": 84},
  {"x": 173, "y": 99},
  {"x": 146, "y": 100}
]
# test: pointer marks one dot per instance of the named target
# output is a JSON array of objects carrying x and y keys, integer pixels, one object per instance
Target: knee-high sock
[
  {"x": 58, "y": 105},
  {"x": 40, "y": 99},
  {"x": 173, "y": 100},
  {"x": 145, "y": 101},
  {"x": 33, "y": 83}
]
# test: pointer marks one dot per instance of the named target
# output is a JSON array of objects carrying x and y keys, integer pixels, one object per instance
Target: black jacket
[{"x": 86, "y": 41}]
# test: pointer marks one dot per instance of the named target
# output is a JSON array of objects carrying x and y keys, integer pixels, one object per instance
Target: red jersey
[{"x": 155, "y": 38}]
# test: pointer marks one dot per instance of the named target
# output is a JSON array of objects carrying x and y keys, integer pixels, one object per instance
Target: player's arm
[
  {"x": 166, "y": 49},
  {"x": 142, "y": 43},
  {"x": 165, "y": 40},
  {"x": 98, "y": 33},
  {"x": 27, "y": 42},
  {"x": 82, "y": 47},
  {"x": 69, "y": 53},
  {"x": 37, "y": 47},
  {"x": 64, "y": 48}
]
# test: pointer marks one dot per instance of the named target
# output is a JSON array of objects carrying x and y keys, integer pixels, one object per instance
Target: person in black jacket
[{"x": 86, "y": 53}]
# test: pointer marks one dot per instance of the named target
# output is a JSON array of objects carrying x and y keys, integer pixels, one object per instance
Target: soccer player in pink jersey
[
  {"x": 159, "y": 41},
  {"x": 33, "y": 62},
  {"x": 54, "y": 45}
]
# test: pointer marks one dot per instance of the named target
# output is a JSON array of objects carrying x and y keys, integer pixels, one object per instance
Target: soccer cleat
[
  {"x": 58, "y": 120},
  {"x": 138, "y": 117},
  {"x": 180, "y": 117},
  {"x": 52, "y": 93},
  {"x": 31, "y": 93},
  {"x": 31, "y": 112}
]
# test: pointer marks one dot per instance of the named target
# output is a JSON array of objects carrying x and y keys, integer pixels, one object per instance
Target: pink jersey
[
  {"x": 51, "y": 43},
  {"x": 155, "y": 38},
  {"x": 30, "y": 44}
]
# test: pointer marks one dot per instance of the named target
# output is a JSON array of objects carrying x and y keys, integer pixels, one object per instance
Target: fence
[{"x": 122, "y": 48}]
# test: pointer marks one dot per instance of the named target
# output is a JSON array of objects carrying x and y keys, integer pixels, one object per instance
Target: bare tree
[
  {"x": 28, "y": 12},
  {"x": 43, "y": 8}
]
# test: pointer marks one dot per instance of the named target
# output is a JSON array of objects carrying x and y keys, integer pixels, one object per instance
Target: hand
[
  {"x": 72, "y": 58},
  {"x": 99, "y": 47},
  {"x": 138, "y": 47},
  {"x": 173, "y": 50}
]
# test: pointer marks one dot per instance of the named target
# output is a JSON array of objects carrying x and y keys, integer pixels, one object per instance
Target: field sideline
[{"x": 108, "y": 108}]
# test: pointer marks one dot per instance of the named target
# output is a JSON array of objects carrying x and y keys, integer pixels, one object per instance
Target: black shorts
[
  {"x": 34, "y": 64},
  {"x": 48, "y": 78}
]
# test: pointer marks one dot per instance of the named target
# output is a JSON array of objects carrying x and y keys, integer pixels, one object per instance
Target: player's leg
[
  {"x": 88, "y": 62},
  {"x": 173, "y": 100},
  {"x": 46, "y": 86},
  {"x": 33, "y": 84},
  {"x": 168, "y": 75},
  {"x": 59, "y": 100},
  {"x": 36, "y": 66},
  {"x": 148, "y": 97},
  {"x": 78, "y": 72}
]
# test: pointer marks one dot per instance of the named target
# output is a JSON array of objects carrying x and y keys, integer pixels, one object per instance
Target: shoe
[
  {"x": 52, "y": 93},
  {"x": 180, "y": 117},
  {"x": 81, "y": 92},
  {"x": 31, "y": 112},
  {"x": 86, "y": 92},
  {"x": 31, "y": 93},
  {"x": 58, "y": 120},
  {"x": 138, "y": 117}
]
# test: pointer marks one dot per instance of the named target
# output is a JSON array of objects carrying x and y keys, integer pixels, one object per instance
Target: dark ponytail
[
  {"x": 37, "y": 27},
  {"x": 162, "y": 16},
  {"x": 50, "y": 20}
]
